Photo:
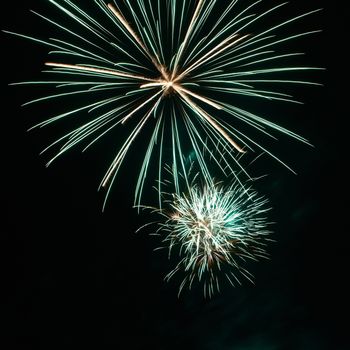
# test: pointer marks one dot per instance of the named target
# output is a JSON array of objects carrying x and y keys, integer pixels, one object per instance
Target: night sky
[{"x": 74, "y": 276}]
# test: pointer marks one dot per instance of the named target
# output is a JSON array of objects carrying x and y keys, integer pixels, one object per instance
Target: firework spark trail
[
  {"x": 188, "y": 33},
  {"x": 180, "y": 87},
  {"x": 210, "y": 120},
  {"x": 138, "y": 40},
  {"x": 111, "y": 172},
  {"x": 212, "y": 54},
  {"x": 98, "y": 70}
]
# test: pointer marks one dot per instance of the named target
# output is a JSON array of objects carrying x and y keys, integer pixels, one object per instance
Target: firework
[
  {"x": 214, "y": 230},
  {"x": 175, "y": 66}
]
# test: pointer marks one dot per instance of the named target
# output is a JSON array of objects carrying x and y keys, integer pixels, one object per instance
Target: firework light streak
[
  {"x": 173, "y": 64},
  {"x": 214, "y": 230}
]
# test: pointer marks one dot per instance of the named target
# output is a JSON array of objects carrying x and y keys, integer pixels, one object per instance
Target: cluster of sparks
[
  {"x": 213, "y": 229},
  {"x": 178, "y": 66}
]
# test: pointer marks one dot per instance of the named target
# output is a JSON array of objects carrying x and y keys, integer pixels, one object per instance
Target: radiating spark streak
[
  {"x": 159, "y": 83},
  {"x": 138, "y": 40},
  {"x": 211, "y": 54},
  {"x": 146, "y": 31},
  {"x": 209, "y": 119},
  {"x": 127, "y": 26},
  {"x": 145, "y": 165},
  {"x": 199, "y": 97},
  {"x": 139, "y": 107},
  {"x": 177, "y": 87},
  {"x": 65, "y": 29},
  {"x": 112, "y": 171},
  {"x": 98, "y": 70},
  {"x": 99, "y": 103},
  {"x": 225, "y": 155},
  {"x": 78, "y": 20},
  {"x": 188, "y": 33},
  {"x": 192, "y": 133},
  {"x": 79, "y": 51}
]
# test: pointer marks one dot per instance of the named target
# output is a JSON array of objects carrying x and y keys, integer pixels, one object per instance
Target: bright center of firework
[
  {"x": 168, "y": 82},
  {"x": 169, "y": 86}
]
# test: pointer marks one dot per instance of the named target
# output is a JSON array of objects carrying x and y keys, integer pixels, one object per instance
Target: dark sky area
[{"x": 75, "y": 277}]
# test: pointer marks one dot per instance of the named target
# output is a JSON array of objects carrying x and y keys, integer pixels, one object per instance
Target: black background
[{"x": 74, "y": 276}]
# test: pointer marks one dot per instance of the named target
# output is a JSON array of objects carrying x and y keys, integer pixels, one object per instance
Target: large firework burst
[
  {"x": 175, "y": 65},
  {"x": 214, "y": 229}
]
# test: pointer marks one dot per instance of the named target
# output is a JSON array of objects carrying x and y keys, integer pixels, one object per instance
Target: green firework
[{"x": 176, "y": 66}]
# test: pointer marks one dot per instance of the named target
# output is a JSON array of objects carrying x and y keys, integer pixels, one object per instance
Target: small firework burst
[{"x": 214, "y": 230}]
